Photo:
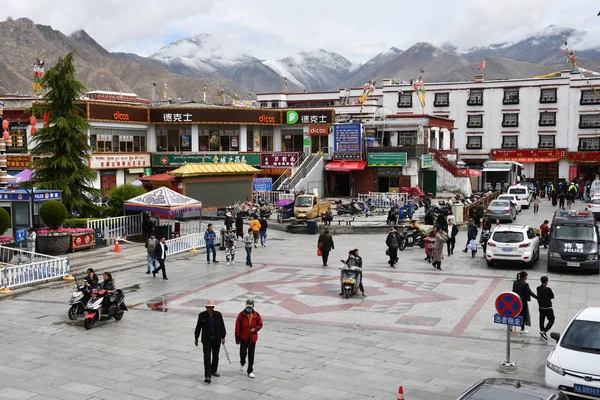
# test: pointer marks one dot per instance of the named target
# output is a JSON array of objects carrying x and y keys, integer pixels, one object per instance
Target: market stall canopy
[
  {"x": 163, "y": 201},
  {"x": 469, "y": 172},
  {"x": 164, "y": 177},
  {"x": 24, "y": 176},
  {"x": 210, "y": 169},
  {"x": 345, "y": 166}
]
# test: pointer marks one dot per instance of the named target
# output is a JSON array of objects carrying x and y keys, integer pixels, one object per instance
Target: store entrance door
[
  {"x": 108, "y": 180},
  {"x": 341, "y": 184}
]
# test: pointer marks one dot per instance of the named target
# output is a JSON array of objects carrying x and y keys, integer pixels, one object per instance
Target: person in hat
[
  {"x": 150, "y": 246},
  {"x": 392, "y": 243},
  {"x": 211, "y": 326},
  {"x": 228, "y": 221},
  {"x": 247, "y": 325}
]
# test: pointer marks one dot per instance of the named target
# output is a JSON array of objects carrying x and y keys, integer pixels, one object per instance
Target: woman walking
[
  {"x": 536, "y": 204},
  {"x": 521, "y": 287},
  {"x": 239, "y": 227},
  {"x": 441, "y": 237}
]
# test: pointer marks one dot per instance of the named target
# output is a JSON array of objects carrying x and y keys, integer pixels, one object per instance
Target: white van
[{"x": 522, "y": 192}]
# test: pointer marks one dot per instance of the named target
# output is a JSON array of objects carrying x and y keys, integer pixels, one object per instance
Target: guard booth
[{"x": 23, "y": 205}]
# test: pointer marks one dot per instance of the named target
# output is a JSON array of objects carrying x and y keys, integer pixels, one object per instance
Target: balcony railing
[{"x": 411, "y": 151}]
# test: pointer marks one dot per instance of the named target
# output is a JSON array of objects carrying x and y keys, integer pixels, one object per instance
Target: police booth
[{"x": 23, "y": 205}]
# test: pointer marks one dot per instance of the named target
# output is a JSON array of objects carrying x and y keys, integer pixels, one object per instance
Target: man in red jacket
[{"x": 247, "y": 325}]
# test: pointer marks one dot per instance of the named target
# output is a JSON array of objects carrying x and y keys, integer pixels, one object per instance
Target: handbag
[
  {"x": 387, "y": 252},
  {"x": 319, "y": 252}
]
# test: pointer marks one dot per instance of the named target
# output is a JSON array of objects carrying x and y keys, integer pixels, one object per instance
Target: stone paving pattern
[{"x": 431, "y": 332}]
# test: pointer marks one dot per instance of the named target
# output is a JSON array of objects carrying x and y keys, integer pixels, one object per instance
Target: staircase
[
  {"x": 299, "y": 173},
  {"x": 448, "y": 165},
  {"x": 449, "y": 178}
]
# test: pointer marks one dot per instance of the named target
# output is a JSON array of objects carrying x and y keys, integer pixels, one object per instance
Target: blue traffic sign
[
  {"x": 262, "y": 184},
  {"x": 513, "y": 321},
  {"x": 20, "y": 235}
]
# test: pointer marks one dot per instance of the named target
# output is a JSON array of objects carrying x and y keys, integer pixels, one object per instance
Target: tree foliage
[
  {"x": 121, "y": 194},
  {"x": 53, "y": 213},
  {"x": 61, "y": 150},
  {"x": 4, "y": 221}
]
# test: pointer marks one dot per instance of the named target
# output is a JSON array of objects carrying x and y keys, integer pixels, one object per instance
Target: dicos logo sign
[{"x": 264, "y": 119}]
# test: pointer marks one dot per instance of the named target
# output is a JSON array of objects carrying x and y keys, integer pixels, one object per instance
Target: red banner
[
  {"x": 529, "y": 156},
  {"x": 573, "y": 169},
  {"x": 82, "y": 241},
  {"x": 584, "y": 156},
  {"x": 278, "y": 160}
]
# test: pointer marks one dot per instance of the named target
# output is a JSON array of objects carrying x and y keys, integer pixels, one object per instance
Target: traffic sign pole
[{"x": 509, "y": 306}]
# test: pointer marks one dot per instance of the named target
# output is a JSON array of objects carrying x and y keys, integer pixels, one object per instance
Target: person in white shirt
[{"x": 31, "y": 237}]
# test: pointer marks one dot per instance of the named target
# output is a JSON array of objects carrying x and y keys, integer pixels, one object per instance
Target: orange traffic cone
[
  {"x": 400, "y": 393},
  {"x": 117, "y": 248}
]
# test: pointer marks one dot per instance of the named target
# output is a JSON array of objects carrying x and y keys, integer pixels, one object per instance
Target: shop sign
[
  {"x": 347, "y": 138},
  {"x": 262, "y": 184},
  {"x": 118, "y": 113},
  {"x": 117, "y": 161},
  {"x": 584, "y": 156},
  {"x": 309, "y": 117},
  {"x": 386, "y": 159},
  {"x": 529, "y": 156},
  {"x": 347, "y": 156},
  {"x": 177, "y": 160},
  {"x": 147, "y": 171},
  {"x": 17, "y": 162},
  {"x": 220, "y": 115},
  {"x": 426, "y": 161},
  {"x": 278, "y": 160},
  {"x": 573, "y": 169},
  {"x": 276, "y": 171},
  {"x": 318, "y": 130},
  {"x": 36, "y": 196}
]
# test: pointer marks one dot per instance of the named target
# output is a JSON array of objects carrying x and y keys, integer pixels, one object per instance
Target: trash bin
[{"x": 311, "y": 227}]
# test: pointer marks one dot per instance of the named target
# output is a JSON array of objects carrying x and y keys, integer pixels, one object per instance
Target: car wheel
[
  {"x": 550, "y": 268},
  {"x": 489, "y": 263},
  {"x": 529, "y": 265},
  {"x": 511, "y": 220}
]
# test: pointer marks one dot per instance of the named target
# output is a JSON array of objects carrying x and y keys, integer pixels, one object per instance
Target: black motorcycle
[{"x": 407, "y": 239}]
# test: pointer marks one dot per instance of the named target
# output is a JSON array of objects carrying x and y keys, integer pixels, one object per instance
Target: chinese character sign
[
  {"x": 117, "y": 161},
  {"x": 278, "y": 160},
  {"x": 347, "y": 138}
]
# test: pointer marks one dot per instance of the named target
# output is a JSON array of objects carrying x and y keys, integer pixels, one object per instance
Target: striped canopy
[{"x": 163, "y": 201}]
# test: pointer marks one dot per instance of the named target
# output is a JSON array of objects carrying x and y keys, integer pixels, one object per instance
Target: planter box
[
  {"x": 83, "y": 241},
  {"x": 53, "y": 245}
]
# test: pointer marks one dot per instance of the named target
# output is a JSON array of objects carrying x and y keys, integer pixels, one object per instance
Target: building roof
[
  {"x": 206, "y": 169},
  {"x": 164, "y": 177}
]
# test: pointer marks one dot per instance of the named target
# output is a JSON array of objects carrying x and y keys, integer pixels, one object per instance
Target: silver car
[{"x": 502, "y": 210}]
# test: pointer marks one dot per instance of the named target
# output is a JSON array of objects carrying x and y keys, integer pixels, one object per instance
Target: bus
[{"x": 496, "y": 172}]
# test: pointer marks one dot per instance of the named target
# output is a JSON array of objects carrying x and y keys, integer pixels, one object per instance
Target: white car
[
  {"x": 573, "y": 366},
  {"x": 513, "y": 243},
  {"x": 523, "y": 194},
  {"x": 513, "y": 198},
  {"x": 594, "y": 207}
]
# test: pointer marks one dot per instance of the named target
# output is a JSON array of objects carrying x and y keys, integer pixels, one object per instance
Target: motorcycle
[
  {"x": 407, "y": 240},
  {"x": 95, "y": 311},
  {"x": 350, "y": 279},
  {"x": 485, "y": 236},
  {"x": 342, "y": 209},
  {"x": 80, "y": 297}
]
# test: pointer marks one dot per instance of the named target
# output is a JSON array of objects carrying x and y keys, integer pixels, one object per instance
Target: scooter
[
  {"x": 407, "y": 240},
  {"x": 350, "y": 279},
  {"x": 80, "y": 297},
  {"x": 95, "y": 311}
]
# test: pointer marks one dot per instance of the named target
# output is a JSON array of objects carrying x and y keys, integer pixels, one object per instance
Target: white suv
[
  {"x": 513, "y": 243},
  {"x": 573, "y": 366},
  {"x": 522, "y": 192}
]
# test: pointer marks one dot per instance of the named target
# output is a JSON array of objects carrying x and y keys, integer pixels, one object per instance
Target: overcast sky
[{"x": 272, "y": 29}]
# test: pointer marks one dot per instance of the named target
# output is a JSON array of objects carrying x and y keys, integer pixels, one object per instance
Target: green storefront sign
[
  {"x": 426, "y": 161},
  {"x": 177, "y": 160},
  {"x": 386, "y": 159}
]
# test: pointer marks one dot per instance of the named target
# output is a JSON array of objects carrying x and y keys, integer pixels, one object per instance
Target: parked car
[
  {"x": 513, "y": 243},
  {"x": 502, "y": 210},
  {"x": 573, "y": 366},
  {"x": 594, "y": 207},
  {"x": 510, "y": 389},
  {"x": 513, "y": 198}
]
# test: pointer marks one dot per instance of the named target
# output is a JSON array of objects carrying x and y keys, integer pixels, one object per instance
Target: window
[
  {"x": 589, "y": 144},
  {"x": 215, "y": 138},
  {"x": 548, "y": 96},
  {"x": 546, "y": 170},
  {"x": 510, "y": 142},
  {"x": 442, "y": 100},
  {"x": 275, "y": 104},
  {"x": 264, "y": 104},
  {"x": 474, "y": 142},
  {"x": 475, "y": 98},
  {"x": 511, "y": 96},
  {"x": 266, "y": 139},
  {"x": 117, "y": 140},
  {"x": 546, "y": 142},
  {"x": 589, "y": 121},
  {"x": 510, "y": 120},
  {"x": 452, "y": 142},
  {"x": 508, "y": 237},
  {"x": 404, "y": 100},
  {"x": 589, "y": 97},
  {"x": 18, "y": 137},
  {"x": 548, "y": 119},
  {"x": 475, "y": 121},
  {"x": 407, "y": 138},
  {"x": 582, "y": 336},
  {"x": 250, "y": 139}
]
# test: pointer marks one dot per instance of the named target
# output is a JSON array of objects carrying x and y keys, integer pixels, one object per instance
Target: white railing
[
  {"x": 385, "y": 200},
  {"x": 185, "y": 243},
  {"x": 129, "y": 225},
  {"x": 271, "y": 197},
  {"x": 24, "y": 268}
]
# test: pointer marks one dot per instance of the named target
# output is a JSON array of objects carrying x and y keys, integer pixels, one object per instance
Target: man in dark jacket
[
  {"x": 262, "y": 232},
  {"x": 325, "y": 243},
  {"x": 545, "y": 296},
  {"x": 160, "y": 254},
  {"x": 211, "y": 325},
  {"x": 471, "y": 233},
  {"x": 392, "y": 243}
]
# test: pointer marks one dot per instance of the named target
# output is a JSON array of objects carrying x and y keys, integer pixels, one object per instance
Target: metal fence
[
  {"x": 129, "y": 225},
  {"x": 23, "y": 267},
  {"x": 272, "y": 197},
  {"x": 384, "y": 200},
  {"x": 185, "y": 243},
  {"x": 485, "y": 201}
]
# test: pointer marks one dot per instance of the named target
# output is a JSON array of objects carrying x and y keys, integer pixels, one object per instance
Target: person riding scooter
[
  {"x": 414, "y": 230},
  {"x": 353, "y": 261},
  {"x": 107, "y": 284},
  {"x": 92, "y": 278}
]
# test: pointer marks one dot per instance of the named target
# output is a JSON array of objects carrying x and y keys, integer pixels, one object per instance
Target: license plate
[
  {"x": 507, "y": 249},
  {"x": 587, "y": 390},
  {"x": 497, "y": 211},
  {"x": 572, "y": 264}
]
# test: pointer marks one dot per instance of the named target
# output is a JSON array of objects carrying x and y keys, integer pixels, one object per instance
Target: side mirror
[{"x": 555, "y": 336}]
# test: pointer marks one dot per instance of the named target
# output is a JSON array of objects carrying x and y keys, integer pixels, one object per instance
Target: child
[
  {"x": 248, "y": 243},
  {"x": 473, "y": 247},
  {"x": 230, "y": 245},
  {"x": 429, "y": 245}
]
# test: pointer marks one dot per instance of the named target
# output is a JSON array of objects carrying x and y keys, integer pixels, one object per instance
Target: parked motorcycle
[
  {"x": 80, "y": 297},
  {"x": 96, "y": 312},
  {"x": 407, "y": 240},
  {"x": 350, "y": 279}
]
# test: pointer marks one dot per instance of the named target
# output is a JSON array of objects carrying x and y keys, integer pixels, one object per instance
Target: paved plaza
[{"x": 430, "y": 331}]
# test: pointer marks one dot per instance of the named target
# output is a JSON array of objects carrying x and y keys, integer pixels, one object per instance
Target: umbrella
[
  {"x": 226, "y": 353},
  {"x": 469, "y": 172},
  {"x": 24, "y": 176},
  {"x": 284, "y": 202},
  {"x": 137, "y": 182}
]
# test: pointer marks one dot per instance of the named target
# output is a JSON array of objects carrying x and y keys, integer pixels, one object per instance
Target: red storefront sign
[
  {"x": 276, "y": 171},
  {"x": 278, "y": 160},
  {"x": 584, "y": 156},
  {"x": 318, "y": 130},
  {"x": 573, "y": 172},
  {"x": 529, "y": 156}
]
